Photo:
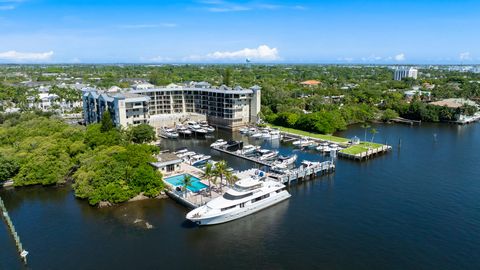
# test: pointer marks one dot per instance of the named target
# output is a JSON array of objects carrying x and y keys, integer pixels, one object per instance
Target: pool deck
[{"x": 192, "y": 199}]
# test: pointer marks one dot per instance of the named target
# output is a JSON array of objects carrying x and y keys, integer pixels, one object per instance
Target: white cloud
[
  {"x": 160, "y": 59},
  {"x": 465, "y": 56},
  {"x": 139, "y": 26},
  {"x": 25, "y": 56},
  {"x": 399, "y": 57},
  {"x": 226, "y": 6},
  {"x": 262, "y": 52}
]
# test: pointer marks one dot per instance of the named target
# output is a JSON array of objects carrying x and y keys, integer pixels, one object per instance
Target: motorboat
[
  {"x": 257, "y": 135},
  {"x": 269, "y": 155},
  {"x": 247, "y": 196},
  {"x": 249, "y": 149},
  {"x": 243, "y": 130},
  {"x": 218, "y": 143},
  {"x": 168, "y": 133},
  {"x": 186, "y": 155},
  {"x": 181, "y": 150},
  {"x": 184, "y": 131},
  {"x": 198, "y": 159},
  {"x": 233, "y": 145},
  {"x": 286, "y": 160},
  {"x": 302, "y": 142}
]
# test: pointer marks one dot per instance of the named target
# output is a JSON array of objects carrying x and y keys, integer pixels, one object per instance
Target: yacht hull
[{"x": 240, "y": 212}]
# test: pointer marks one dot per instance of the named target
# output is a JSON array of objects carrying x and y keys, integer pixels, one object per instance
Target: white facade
[{"x": 405, "y": 73}]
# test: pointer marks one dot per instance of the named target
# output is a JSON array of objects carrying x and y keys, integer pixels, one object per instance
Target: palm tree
[
  {"x": 373, "y": 132},
  {"x": 231, "y": 178},
  {"x": 221, "y": 170},
  {"x": 365, "y": 126},
  {"x": 187, "y": 182},
  {"x": 209, "y": 174}
]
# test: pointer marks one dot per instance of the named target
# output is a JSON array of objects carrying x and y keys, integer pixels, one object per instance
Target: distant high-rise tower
[{"x": 405, "y": 73}]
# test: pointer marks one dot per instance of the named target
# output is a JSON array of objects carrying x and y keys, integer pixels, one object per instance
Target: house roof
[{"x": 165, "y": 159}]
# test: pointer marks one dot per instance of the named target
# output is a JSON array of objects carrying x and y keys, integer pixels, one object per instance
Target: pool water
[{"x": 177, "y": 181}]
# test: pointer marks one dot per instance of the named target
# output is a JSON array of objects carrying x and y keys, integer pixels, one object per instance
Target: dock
[
  {"x": 406, "y": 121},
  {"x": 21, "y": 252},
  {"x": 297, "y": 174},
  {"x": 252, "y": 159},
  {"x": 369, "y": 153}
]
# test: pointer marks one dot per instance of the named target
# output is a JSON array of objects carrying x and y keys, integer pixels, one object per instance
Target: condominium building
[
  {"x": 125, "y": 108},
  {"x": 222, "y": 106},
  {"x": 405, "y": 73}
]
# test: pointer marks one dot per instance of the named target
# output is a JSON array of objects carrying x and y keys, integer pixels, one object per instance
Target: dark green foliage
[
  {"x": 142, "y": 133},
  {"x": 107, "y": 122},
  {"x": 8, "y": 168}
]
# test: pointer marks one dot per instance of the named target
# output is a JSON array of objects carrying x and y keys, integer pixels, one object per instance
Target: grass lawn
[
  {"x": 360, "y": 148},
  {"x": 313, "y": 135}
]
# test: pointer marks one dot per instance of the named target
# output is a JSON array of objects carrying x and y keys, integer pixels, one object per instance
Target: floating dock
[
  {"x": 21, "y": 252},
  {"x": 252, "y": 159},
  {"x": 370, "y": 153}
]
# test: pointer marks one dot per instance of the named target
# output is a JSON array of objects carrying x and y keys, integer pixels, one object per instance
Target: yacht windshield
[{"x": 229, "y": 196}]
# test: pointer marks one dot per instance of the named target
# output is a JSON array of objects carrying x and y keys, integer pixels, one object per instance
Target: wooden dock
[
  {"x": 406, "y": 121},
  {"x": 300, "y": 173},
  {"x": 252, "y": 159},
  {"x": 21, "y": 252}
]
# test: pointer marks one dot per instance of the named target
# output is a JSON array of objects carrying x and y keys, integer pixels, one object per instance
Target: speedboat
[
  {"x": 198, "y": 130},
  {"x": 247, "y": 196},
  {"x": 303, "y": 142},
  {"x": 257, "y": 135},
  {"x": 184, "y": 131},
  {"x": 168, "y": 133},
  {"x": 198, "y": 159},
  {"x": 218, "y": 143},
  {"x": 248, "y": 149},
  {"x": 243, "y": 130},
  {"x": 286, "y": 160},
  {"x": 185, "y": 156},
  {"x": 269, "y": 155},
  {"x": 274, "y": 135}
]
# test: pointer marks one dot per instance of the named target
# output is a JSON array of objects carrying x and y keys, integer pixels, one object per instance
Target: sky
[{"x": 217, "y": 31}]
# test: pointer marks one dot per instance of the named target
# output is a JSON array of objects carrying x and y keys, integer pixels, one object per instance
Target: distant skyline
[{"x": 216, "y": 31}]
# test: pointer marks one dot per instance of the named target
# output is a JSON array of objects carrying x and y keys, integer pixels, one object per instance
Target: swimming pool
[{"x": 177, "y": 181}]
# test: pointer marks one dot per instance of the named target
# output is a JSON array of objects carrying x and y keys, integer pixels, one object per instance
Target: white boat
[
  {"x": 320, "y": 148},
  {"x": 268, "y": 155},
  {"x": 181, "y": 151},
  {"x": 286, "y": 160},
  {"x": 184, "y": 131},
  {"x": 303, "y": 142},
  {"x": 208, "y": 128},
  {"x": 243, "y": 130},
  {"x": 274, "y": 135},
  {"x": 198, "y": 129},
  {"x": 247, "y": 196},
  {"x": 168, "y": 133},
  {"x": 257, "y": 135},
  {"x": 218, "y": 143},
  {"x": 198, "y": 159},
  {"x": 186, "y": 155},
  {"x": 248, "y": 149}
]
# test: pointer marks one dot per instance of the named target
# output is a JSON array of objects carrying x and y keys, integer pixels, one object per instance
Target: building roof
[
  {"x": 454, "y": 102},
  {"x": 310, "y": 82},
  {"x": 165, "y": 159}
]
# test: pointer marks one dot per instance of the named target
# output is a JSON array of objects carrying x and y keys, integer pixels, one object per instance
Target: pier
[
  {"x": 365, "y": 155},
  {"x": 252, "y": 159},
  {"x": 21, "y": 252},
  {"x": 406, "y": 121}
]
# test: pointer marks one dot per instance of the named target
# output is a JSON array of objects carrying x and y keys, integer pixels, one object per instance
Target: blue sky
[{"x": 342, "y": 31}]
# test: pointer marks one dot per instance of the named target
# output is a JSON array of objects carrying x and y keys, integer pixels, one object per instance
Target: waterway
[{"x": 417, "y": 207}]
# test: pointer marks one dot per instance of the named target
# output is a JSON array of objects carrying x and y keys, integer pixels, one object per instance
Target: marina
[{"x": 378, "y": 198}]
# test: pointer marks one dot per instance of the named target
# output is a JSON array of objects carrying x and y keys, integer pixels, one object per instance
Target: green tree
[
  {"x": 142, "y": 133},
  {"x": 107, "y": 122},
  {"x": 373, "y": 131},
  {"x": 186, "y": 182},
  {"x": 365, "y": 127},
  {"x": 8, "y": 168},
  {"x": 209, "y": 175},
  {"x": 227, "y": 77},
  {"x": 221, "y": 170},
  {"x": 389, "y": 114}
]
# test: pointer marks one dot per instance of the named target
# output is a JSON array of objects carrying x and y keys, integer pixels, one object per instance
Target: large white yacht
[{"x": 246, "y": 197}]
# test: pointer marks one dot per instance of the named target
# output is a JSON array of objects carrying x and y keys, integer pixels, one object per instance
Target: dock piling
[{"x": 21, "y": 252}]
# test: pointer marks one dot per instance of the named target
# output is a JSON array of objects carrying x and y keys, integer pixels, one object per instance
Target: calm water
[{"x": 415, "y": 208}]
